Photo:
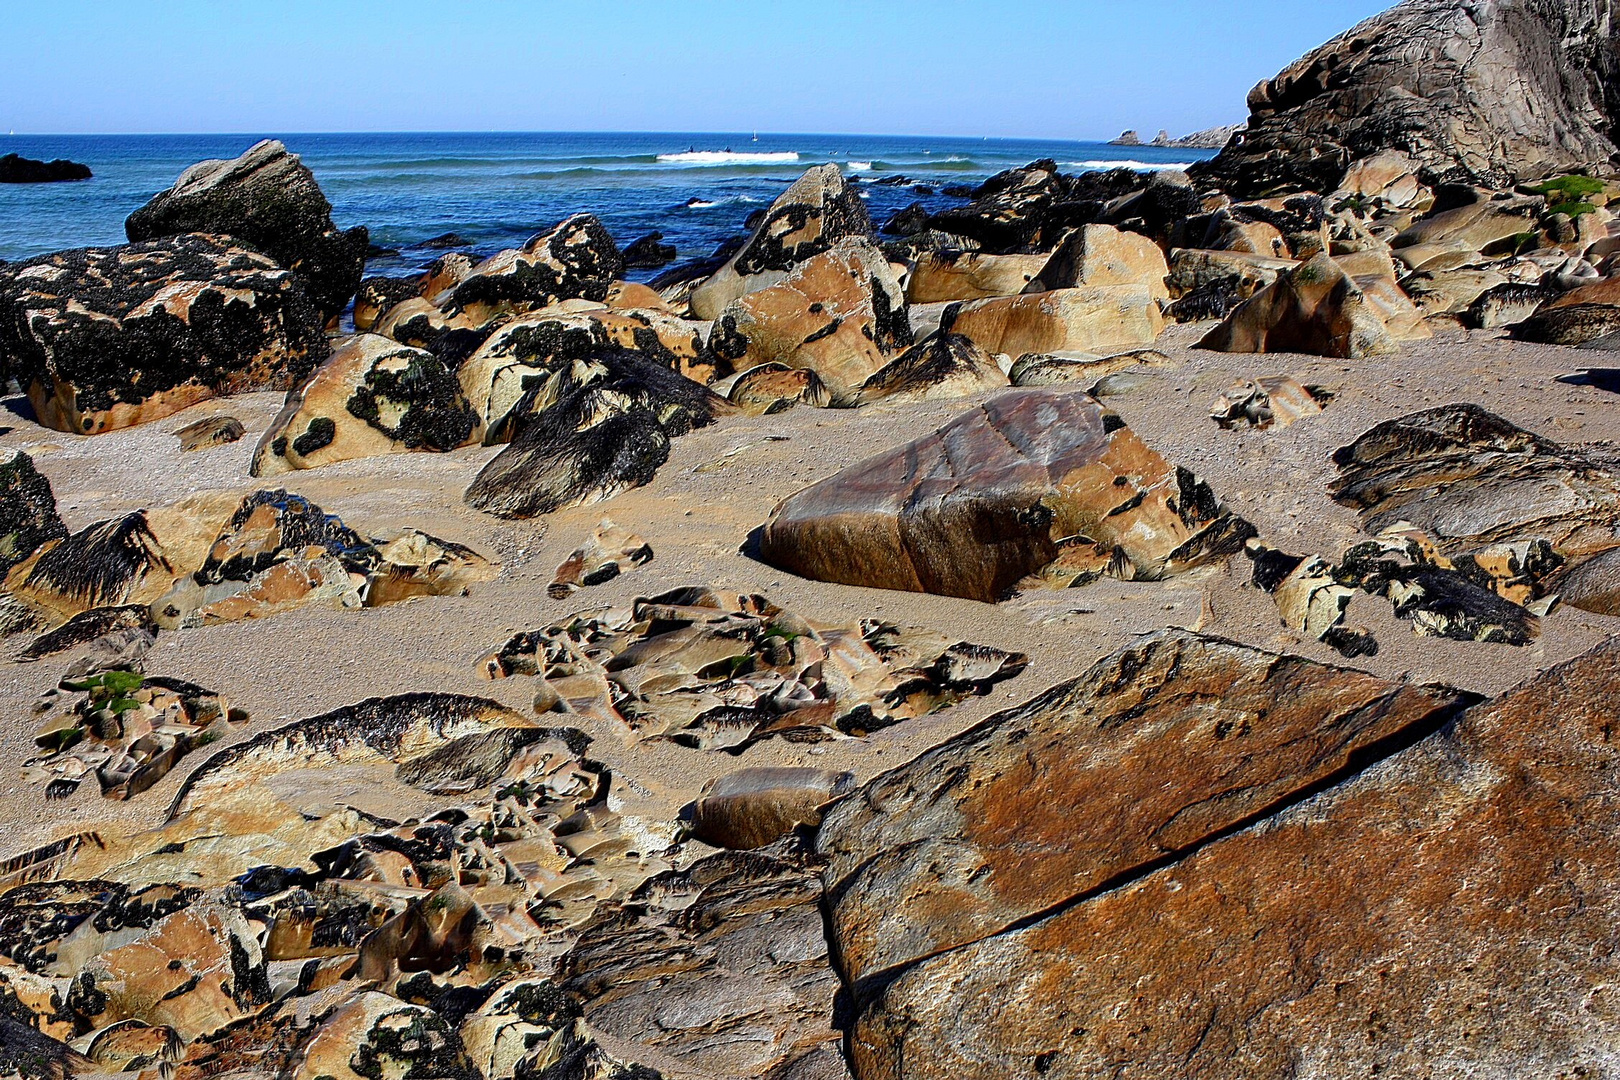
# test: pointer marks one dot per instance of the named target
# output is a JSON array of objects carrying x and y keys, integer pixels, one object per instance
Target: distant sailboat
[{"x": 756, "y": 136}]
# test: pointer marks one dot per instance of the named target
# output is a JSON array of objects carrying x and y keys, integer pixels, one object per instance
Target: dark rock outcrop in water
[
  {"x": 1482, "y": 91},
  {"x": 268, "y": 200},
  {"x": 104, "y": 338},
  {"x": 21, "y": 170}
]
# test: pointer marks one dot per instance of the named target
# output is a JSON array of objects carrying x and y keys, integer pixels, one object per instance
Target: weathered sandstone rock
[
  {"x": 593, "y": 428},
  {"x": 1469, "y": 478},
  {"x": 970, "y": 275},
  {"x": 608, "y": 552},
  {"x": 771, "y": 388},
  {"x": 104, "y": 338},
  {"x": 751, "y": 808},
  {"x": 575, "y": 260},
  {"x": 816, "y": 212},
  {"x": 1362, "y": 922},
  {"x": 214, "y": 431},
  {"x": 943, "y": 366},
  {"x": 372, "y": 396},
  {"x": 1100, "y": 255},
  {"x": 1086, "y": 319},
  {"x": 1316, "y": 308},
  {"x": 1488, "y": 92},
  {"x": 840, "y": 314},
  {"x": 1031, "y": 479},
  {"x": 1275, "y": 401},
  {"x": 267, "y": 200},
  {"x": 1169, "y": 744}
]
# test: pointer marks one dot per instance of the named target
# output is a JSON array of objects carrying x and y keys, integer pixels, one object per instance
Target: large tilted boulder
[
  {"x": 1101, "y": 255},
  {"x": 1485, "y": 91},
  {"x": 104, "y": 338},
  {"x": 594, "y": 427},
  {"x": 840, "y": 314},
  {"x": 1315, "y": 308},
  {"x": 267, "y": 200},
  {"x": 1030, "y": 479},
  {"x": 1342, "y": 902},
  {"x": 940, "y": 276},
  {"x": 817, "y": 211},
  {"x": 372, "y": 396},
  {"x": 577, "y": 260}
]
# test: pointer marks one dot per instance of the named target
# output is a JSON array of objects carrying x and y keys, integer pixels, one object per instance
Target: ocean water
[{"x": 496, "y": 190}]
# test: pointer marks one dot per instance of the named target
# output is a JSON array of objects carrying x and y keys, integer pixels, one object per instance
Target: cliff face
[{"x": 1487, "y": 91}]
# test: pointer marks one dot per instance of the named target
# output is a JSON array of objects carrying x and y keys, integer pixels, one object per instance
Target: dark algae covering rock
[
  {"x": 28, "y": 515},
  {"x": 267, "y": 200},
  {"x": 103, "y": 338}
]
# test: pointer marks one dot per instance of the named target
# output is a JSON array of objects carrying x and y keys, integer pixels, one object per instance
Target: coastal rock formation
[
  {"x": 15, "y": 169},
  {"x": 1043, "y": 369},
  {"x": 577, "y": 260},
  {"x": 28, "y": 516},
  {"x": 378, "y": 295},
  {"x": 717, "y": 671},
  {"x": 598, "y": 426},
  {"x": 1469, "y": 478},
  {"x": 1100, "y": 255},
  {"x": 649, "y": 253},
  {"x": 951, "y": 274},
  {"x": 1032, "y": 482},
  {"x": 1088, "y": 319},
  {"x": 104, "y": 338},
  {"x": 372, "y": 396},
  {"x": 945, "y": 851},
  {"x": 1484, "y": 92},
  {"x": 942, "y": 366},
  {"x": 1010, "y": 211},
  {"x": 820, "y": 209},
  {"x": 557, "y": 348},
  {"x": 1316, "y": 308},
  {"x": 608, "y": 552},
  {"x": 771, "y": 388},
  {"x": 214, "y": 431},
  {"x": 751, "y": 808},
  {"x": 266, "y": 200},
  {"x": 1317, "y": 909},
  {"x": 1277, "y": 401},
  {"x": 841, "y": 314}
]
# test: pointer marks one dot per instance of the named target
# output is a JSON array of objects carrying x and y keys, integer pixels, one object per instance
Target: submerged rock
[
  {"x": 1032, "y": 482},
  {"x": 809, "y": 218},
  {"x": 104, "y": 338},
  {"x": 717, "y": 672},
  {"x": 1316, "y": 909},
  {"x": 15, "y": 169},
  {"x": 267, "y": 200},
  {"x": 373, "y": 396}
]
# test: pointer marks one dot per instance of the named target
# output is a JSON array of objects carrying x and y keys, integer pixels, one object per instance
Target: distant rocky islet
[{"x": 1198, "y": 857}]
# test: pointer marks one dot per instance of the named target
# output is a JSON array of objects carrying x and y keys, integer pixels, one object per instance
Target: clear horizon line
[{"x": 267, "y": 132}]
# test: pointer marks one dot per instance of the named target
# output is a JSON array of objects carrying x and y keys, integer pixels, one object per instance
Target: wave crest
[{"x": 728, "y": 157}]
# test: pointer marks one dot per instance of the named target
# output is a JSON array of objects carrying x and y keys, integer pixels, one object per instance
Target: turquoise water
[{"x": 497, "y": 190}]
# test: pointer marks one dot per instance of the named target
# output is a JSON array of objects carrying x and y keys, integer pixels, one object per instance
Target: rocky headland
[{"x": 1118, "y": 624}]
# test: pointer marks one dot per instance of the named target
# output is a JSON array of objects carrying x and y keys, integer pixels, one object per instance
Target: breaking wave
[{"x": 728, "y": 157}]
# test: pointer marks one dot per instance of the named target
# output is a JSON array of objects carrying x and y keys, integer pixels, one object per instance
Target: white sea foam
[
  {"x": 1139, "y": 166},
  {"x": 860, "y": 166},
  {"x": 727, "y": 157}
]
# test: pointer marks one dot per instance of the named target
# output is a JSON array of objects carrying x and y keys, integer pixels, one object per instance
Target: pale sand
[{"x": 317, "y": 659}]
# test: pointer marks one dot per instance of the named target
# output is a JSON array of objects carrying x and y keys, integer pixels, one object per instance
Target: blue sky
[{"x": 1038, "y": 68}]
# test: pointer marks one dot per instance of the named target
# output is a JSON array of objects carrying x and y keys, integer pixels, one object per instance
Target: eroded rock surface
[
  {"x": 268, "y": 200},
  {"x": 103, "y": 338},
  {"x": 1032, "y": 482},
  {"x": 1361, "y": 923}
]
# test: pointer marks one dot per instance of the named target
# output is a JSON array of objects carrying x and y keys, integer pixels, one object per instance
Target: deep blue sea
[{"x": 497, "y": 190}]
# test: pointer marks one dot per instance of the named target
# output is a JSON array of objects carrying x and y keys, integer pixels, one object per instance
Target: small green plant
[
  {"x": 1569, "y": 189},
  {"x": 110, "y": 690},
  {"x": 1573, "y": 209}
]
